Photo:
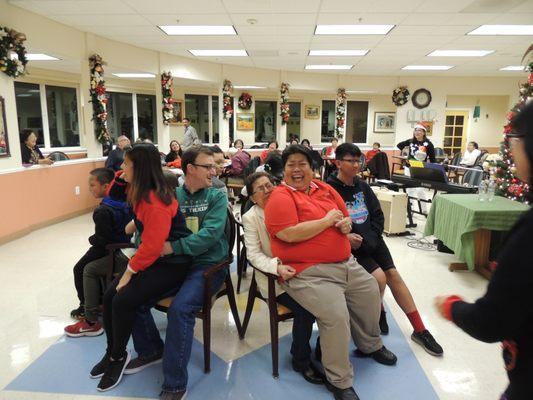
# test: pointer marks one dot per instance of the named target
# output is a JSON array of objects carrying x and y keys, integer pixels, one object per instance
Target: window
[
  {"x": 29, "y": 113},
  {"x": 356, "y": 121},
  {"x": 265, "y": 121},
  {"x": 454, "y": 132},
  {"x": 62, "y": 107},
  {"x": 293, "y": 126},
  {"x": 328, "y": 120},
  {"x": 197, "y": 110},
  {"x": 146, "y": 116},
  {"x": 214, "y": 119},
  {"x": 120, "y": 115}
]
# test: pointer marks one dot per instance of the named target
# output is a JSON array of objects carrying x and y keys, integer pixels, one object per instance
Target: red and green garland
[
  {"x": 340, "y": 112},
  {"x": 11, "y": 43},
  {"x": 227, "y": 107},
  {"x": 284, "y": 110},
  {"x": 98, "y": 98},
  {"x": 168, "y": 101}
]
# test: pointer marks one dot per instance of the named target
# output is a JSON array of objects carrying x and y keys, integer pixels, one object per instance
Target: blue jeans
[{"x": 180, "y": 329}]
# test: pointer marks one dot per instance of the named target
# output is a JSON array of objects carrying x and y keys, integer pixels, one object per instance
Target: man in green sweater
[{"x": 205, "y": 210}]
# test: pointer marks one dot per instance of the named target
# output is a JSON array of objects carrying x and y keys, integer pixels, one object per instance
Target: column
[
  {"x": 223, "y": 124},
  {"x": 163, "y": 131}
]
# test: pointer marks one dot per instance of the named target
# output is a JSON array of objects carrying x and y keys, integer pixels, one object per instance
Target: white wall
[{"x": 7, "y": 91}]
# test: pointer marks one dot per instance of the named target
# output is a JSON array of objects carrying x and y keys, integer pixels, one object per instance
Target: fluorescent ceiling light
[
  {"x": 134, "y": 75},
  {"x": 513, "y": 68},
  {"x": 338, "y": 52},
  {"x": 427, "y": 67},
  {"x": 460, "y": 53},
  {"x": 194, "y": 30},
  {"x": 503, "y": 30},
  {"x": 219, "y": 53},
  {"x": 36, "y": 57},
  {"x": 328, "y": 66},
  {"x": 248, "y": 87},
  {"x": 353, "y": 29}
]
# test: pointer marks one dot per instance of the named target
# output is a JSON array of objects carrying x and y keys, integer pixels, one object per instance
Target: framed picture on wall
[
  {"x": 312, "y": 112},
  {"x": 178, "y": 112},
  {"x": 245, "y": 121},
  {"x": 384, "y": 122},
  {"x": 429, "y": 127},
  {"x": 4, "y": 143}
]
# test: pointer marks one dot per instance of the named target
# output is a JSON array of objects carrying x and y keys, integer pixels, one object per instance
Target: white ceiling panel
[
  {"x": 189, "y": 19},
  {"x": 513, "y": 19},
  {"x": 448, "y": 19},
  {"x": 344, "y": 42},
  {"x": 354, "y": 6},
  {"x": 101, "y": 19},
  {"x": 176, "y": 7},
  {"x": 271, "y": 6},
  {"x": 439, "y": 6},
  {"x": 360, "y": 18},
  {"x": 301, "y": 18},
  {"x": 525, "y": 7},
  {"x": 70, "y": 7},
  {"x": 433, "y": 30}
]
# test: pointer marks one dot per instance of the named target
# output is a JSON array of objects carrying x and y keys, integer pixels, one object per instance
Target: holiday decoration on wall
[
  {"x": 227, "y": 107},
  {"x": 400, "y": 95},
  {"x": 340, "y": 112},
  {"x": 245, "y": 101},
  {"x": 501, "y": 166},
  {"x": 421, "y": 98},
  {"x": 12, "y": 52},
  {"x": 168, "y": 101},
  {"x": 98, "y": 98},
  {"x": 284, "y": 111}
]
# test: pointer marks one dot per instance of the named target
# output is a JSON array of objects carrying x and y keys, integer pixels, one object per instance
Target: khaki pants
[{"x": 344, "y": 298}]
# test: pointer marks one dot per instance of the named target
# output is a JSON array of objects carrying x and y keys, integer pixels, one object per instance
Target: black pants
[
  {"x": 120, "y": 307},
  {"x": 302, "y": 328},
  {"x": 94, "y": 253}
]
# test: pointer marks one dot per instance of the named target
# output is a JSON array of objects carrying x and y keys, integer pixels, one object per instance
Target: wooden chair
[{"x": 58, "y": 156}]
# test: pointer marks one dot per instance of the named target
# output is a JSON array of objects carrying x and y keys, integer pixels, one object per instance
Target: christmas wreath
[
  {"x": 245, "y": 101},
  {"x": 400, "y": 96},
  {"x": 11, "y": 43},
  {"x": 284, "y": 109},
  {"x": 98, "y": 98}
]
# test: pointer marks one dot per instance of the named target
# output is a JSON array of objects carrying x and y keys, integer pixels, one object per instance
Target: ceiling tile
[
  {"x": 275, "y": 19},
  {"x": 360, "y": 18},
  {"x": 74, "y": 7},
  {"x": 101, "y": 20},
  {"x": 175, "y": 7},
  {"x": 384, "y": 6},
  {"x": 189, "y": 19}
]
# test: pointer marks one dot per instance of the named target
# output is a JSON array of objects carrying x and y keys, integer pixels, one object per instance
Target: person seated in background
[
  {"x": 220, "y": 163},
  {"x": 471, "y": 155},
  {"x": 30, "y": 152},
  {"x": 317, "y": 158},
  {"x": 258, "y": 252},
  {"x": 376, "y": 148},
  {"x": 110, "y": 219},
  {"x": 174, "y": 155},
  {"x": 329, "y": 152},
  {"x": 239, "y": 161},
  {"x": 115, "y": 158},
  {"x": 419, "y": 146},
  {"x": 272, "y": 146},
  {"x": 368, "y": 246},
  {"x": 238, "y": 144},
  {"x": 294, "y": 140}
]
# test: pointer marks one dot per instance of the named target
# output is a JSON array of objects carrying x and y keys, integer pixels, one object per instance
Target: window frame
[
  {"x": 209, "y": 111},
  {"x": 334, "y": 118}
]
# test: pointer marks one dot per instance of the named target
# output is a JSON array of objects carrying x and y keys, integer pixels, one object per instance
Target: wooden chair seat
[{"x": 282, "y": 310}]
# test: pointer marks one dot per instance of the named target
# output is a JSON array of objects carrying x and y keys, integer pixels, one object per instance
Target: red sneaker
[{"x": 82, "y": 328}]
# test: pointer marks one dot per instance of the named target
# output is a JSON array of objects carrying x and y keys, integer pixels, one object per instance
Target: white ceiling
[{"x": 283, "y": 34}]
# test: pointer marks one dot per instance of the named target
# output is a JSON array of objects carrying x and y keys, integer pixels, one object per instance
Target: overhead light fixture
[
  {"x": 328, "y": 66},
  {"x": 460, "y": 53},
  {"x": 513, "y": 68},
  {"x": 341, "y": 53},
  {"x": 427, "y": 67},
  {"x": 36, "y": 57},
  {"x": 517, "y": 30},
  {"x": 353, "y": 29},
  {"x": 195, "y": 30},
  {"x": 219, "y": 53},
  {"x": 134, "y": 75},
  {"x": 248, "y": 87}
]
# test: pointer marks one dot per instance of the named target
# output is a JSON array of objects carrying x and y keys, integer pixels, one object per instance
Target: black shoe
[
  {"x": 164, "y": 395},
  {"x": 383, "y": 356},
  {"x": 428, "y": 342},
  {"x": 343, "y": 394},
  {"x": 99, "y": 369},
  {"x": 310, "y": 373},
  {"x": 383, "y": 326},
  {"x": 318, "y": 350},
  {"x": 113, "y": 373},
  {"x": 78, "y": 313},
  {"x": 140, "y": 363}
]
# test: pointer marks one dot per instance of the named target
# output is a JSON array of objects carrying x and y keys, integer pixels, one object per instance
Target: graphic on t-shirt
[{"x": 357, "y": 209}]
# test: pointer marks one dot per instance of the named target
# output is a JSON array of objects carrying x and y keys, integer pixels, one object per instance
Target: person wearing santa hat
[{"x": 420, "y": 147}]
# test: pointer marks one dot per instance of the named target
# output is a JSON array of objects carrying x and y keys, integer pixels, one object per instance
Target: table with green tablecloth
[{"x": 463, "y": 223}]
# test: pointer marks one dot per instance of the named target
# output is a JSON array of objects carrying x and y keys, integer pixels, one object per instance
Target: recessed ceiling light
[
  {"x": 353, "y": 29},
  {"x": 328, "y": 66},
  {"x": 134, "y": 75},
  {"x": 517, "y": 30},
  {"x": 338, "y": 52},
  {"x": 248, "y": 87},
  {"x": 36, "y": 57},
  {"x": 198, "y": 29},
  {"x": 251, "y": 21},
  {"x": 460, "y": 53},
  {"x": 513, "y": 68},
  {"x": 427, "y": 67},
  {"x": 219, "y": 53}
]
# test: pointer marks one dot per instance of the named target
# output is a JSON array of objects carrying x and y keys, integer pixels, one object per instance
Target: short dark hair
[
  {"x": 216, "y": 150},
  {"x": 377, "y": 144},
  {"x": 306, "y": 141},
  {"x": 275, "y": 142},
  {"x": 185, "y": 118},
  {"x": 238, "y": 140},
  {"x": 25, "y": 134},
  {"x": 171, "y": 179},
  {"x": 476, "y": 146},
  {"x": 334, "y": 140},
  {"x": 103, "y": 175},
  {"x": 347, "y": 149},
  {"x": 190, "y": 155},
  {"x": 296, "y": 149},
  {"x": 250, "y": 180}
]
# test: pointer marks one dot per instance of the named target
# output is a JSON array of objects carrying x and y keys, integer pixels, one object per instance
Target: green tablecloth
[{"x": 454, "y": 218}]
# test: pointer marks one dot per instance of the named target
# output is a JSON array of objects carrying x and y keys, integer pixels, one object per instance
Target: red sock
[{"x": 416, "y": 321}]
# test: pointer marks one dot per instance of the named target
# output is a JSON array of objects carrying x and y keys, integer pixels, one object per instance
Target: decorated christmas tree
[{"x": 501, "y": 166}]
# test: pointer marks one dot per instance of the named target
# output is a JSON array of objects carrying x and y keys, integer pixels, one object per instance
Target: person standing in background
[
  {"x": 116, "y": 156},
  {"x": 190, "y": 137}
]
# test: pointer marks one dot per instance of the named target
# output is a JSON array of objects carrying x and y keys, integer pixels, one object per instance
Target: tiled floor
[{"x": 37, "y": 295}]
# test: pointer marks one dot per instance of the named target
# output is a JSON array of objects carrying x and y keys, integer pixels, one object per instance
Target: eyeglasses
[
  {"x": 263, "y": 188},
  {"x": 208, "y": 167},
  {"x": 353, "y": 162}
]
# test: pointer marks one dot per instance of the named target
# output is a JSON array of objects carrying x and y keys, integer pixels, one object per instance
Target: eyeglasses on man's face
[
  {"x": 351, "y": 161},
  {"x": 209, "y": 167}
]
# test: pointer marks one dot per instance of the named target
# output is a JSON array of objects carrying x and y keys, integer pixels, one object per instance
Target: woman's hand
[
  {"x": 355, "y": 240},
  {"x": 124, "y": 280},
  {"x": 47, "y": 161},
  {"x": 332, "y": 217},
  {"x": 286, "y": 271},
  {"x": 344, "y": 225}
]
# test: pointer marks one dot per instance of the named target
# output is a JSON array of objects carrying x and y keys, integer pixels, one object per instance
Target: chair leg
[
  {"x": 249, "y": 306},
  {"x": 207, "y": 340},
  {"x": 241, "y": 268},
  {"x": 274, "y": 339},
  {"x": 233, "y": 304}
]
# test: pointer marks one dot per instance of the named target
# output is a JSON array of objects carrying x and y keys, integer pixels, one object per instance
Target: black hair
[
  {"x": 25, "y": 134},
  {"x": 172, "y": 180},
  {"x": 476, "y": 146},
  {"x": 180, "y": 151},
  {"x": 379, "y": 145},
  {"x": 216, "y": 149},
  {"x": 238, "y": 140},
  {"x": 190, "y": 155},
  {"x": 103, "y": 175},
  {"x": 296, "y": 149},
  {"x": 274, "y": 165},
  {"x": 273, "y": 141},
  {"x": 347, "y": 149},
  {"x": 185, "y": 118},
  {"x": 306, "y": 141},
  {"x": 334, "y": 140},
  {"x": 250, "y": 180}
]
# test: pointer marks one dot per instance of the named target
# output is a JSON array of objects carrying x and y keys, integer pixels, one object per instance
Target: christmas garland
[
  {"x": 340, "y": 112},
  {"x": 227, "y": 108},
  {"x": 284, "y": 111},
  {"x": 245, "y": 101},
  {"x": 501, "y": 166},
  {"x": 166, "y": 91},
  {"x": 11, "y": 42},
  {"x": 98, "y": 98},
  {"x": 400, "y": 96}
]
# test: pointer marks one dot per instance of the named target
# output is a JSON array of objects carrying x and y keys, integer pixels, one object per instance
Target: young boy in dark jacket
[{"x": 368, "y": 246}]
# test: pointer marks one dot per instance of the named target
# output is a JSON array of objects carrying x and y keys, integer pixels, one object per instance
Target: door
[{"x": 455, "y": 132}]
